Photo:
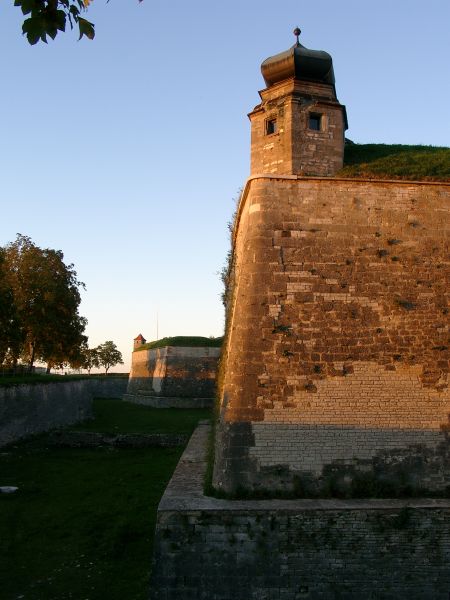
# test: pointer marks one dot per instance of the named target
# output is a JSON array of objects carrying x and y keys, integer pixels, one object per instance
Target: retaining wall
[
  {"x": 295, "y": 549},
  {"x": 108, "y": 387},
  {"x": 29, "y": 409}
]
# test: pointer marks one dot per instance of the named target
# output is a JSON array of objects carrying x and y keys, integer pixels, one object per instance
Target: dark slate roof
[{"x": 298, "y": 62}]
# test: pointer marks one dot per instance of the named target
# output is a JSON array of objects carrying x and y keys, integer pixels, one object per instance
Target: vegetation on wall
[
  {"x": 193, "y": 341},
  {"x": 395, "y": 161}
]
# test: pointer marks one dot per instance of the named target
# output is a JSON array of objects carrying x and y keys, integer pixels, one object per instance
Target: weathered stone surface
[
  {"x": 337, "y": 362},
  {"x": 175, "y": 372},
  {"x": 29, "y": 409},
  {"x": 271, "y": 549},
  {"x": 294, "y": 148}
]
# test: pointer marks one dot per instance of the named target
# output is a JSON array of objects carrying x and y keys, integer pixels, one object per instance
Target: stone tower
[
  {"x": 298, "y": 129},
  {"x": 334, "y": 381},
  {"x": 336, "y": 367},
  {"x": 139, "y": 341}
]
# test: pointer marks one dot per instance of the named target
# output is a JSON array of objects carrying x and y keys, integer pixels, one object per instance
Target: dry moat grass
[{"x": 81, "y": 525}]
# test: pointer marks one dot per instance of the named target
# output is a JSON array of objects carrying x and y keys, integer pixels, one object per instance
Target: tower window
[
  {"x": 271, "y": 126},
  {"x": 315, "y": 122}
]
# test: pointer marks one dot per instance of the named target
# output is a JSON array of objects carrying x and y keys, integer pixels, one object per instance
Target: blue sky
[{"x": 126, "y": 152}]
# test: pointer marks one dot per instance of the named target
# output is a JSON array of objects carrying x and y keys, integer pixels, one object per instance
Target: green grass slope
[
  {"x": 183, "y": 340},
  {"x": 384, "y": 161}
]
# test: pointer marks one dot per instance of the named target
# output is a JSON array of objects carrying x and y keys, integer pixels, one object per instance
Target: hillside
[{"x": 384, "y": 161}]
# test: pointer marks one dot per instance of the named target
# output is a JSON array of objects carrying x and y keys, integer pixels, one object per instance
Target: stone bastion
[{"x": 173, "y": 376}]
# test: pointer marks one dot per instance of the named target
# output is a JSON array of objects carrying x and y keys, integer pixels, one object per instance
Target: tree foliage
[
  {"x": 45, "y": 298},
  {"x": 48, "y": 17},
  {"x": 109, "y": 355},
  {"x": 10, "y": 334},
  {"x": 90, "y": 359}
]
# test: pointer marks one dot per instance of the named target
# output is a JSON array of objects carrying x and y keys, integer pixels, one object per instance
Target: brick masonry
[
  {"x": 295, "y": 549},
  {"x": 337, "y": 362}
]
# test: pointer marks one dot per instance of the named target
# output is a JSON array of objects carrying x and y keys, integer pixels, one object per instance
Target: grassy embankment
[
  {"x": 81, "y": 525},
  {"x": 384, "y": 161},
  {"x": 193, "y": 341}
]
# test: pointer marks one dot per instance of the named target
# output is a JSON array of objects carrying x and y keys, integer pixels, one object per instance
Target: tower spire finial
[{"x": 297, "y": 32}]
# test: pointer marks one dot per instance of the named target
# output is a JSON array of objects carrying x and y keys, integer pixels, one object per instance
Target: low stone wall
[
  {"x": 93, "y": 439},
  {"x": 29, "y": 409},
  {"x": 295, "y": 549},
  {"x": 169, "y": 402}
]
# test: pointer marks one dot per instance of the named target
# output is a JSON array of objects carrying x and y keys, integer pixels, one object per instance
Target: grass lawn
[
  {"x": 115, "y": 416},
  {"x": 81, "y": 525}
]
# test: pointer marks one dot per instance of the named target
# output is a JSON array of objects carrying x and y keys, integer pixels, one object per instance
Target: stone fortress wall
[
  {"x": 371, "y": 549},
  {"x": 337, "y": 363},
  {"x": 334, "y": 377},
  {"x": 173, "y": 376},
  {"x": 29, "y": 409}
]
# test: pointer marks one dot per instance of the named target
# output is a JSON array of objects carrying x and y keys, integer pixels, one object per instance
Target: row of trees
[
  {"x": 39, "y": 316},
  {"x": 106, "y": 355}
]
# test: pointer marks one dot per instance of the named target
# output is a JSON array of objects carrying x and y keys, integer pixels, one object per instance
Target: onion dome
[{"x": 298, "y": 62}]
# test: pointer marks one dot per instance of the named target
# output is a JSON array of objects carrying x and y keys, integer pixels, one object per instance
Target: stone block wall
[
  {"x": 29, "y": 409},
  {"x": 295, "y": 549},
  {"x": 295, "y": 148},
  {"x": 337, "y": 364},
  {"x": 172, "y": 371}
]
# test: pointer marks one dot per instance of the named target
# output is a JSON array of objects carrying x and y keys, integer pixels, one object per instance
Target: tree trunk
[
  {"x": 49, "y": 366},
  {"x": 30, "y": 368}
]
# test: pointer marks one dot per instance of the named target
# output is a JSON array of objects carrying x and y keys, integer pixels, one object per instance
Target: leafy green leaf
[
  {"x": 74, "y": 11},
  {"x": 26, "y": 5},
  {"x": 86, "y": 28},
  {"x": 34, "y": 28},
  {"x": 60, "y": 20}
]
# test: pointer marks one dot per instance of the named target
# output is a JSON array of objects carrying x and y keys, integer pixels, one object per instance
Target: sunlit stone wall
[
  {"x": 174, "y": 371},
  {"x": 337, "y": 368}
]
